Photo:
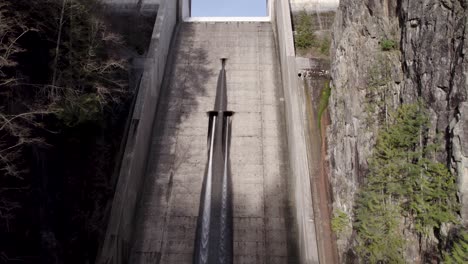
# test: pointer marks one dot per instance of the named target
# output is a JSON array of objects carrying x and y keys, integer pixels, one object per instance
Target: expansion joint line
[{"x": 261, "y": 87}]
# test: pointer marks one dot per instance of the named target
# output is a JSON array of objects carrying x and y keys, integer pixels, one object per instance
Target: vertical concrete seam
[{"x": 259, "y": 83}]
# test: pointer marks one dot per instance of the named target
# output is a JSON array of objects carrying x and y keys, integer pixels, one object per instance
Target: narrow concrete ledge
[
  {"x": 127, "y": 6},
  {"x": 120, "y": 230},
  {"x": 297, "y": 135},
  {"x": 314, "y": 5},
  {"x": 227, "y": 19}
]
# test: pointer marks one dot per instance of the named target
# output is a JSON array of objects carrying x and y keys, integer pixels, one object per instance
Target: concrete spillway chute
[{"x": 213, "y": 242}]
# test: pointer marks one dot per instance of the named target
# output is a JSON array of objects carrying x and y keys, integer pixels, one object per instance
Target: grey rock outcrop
[
  {"x": 359, "y": 27},
  {"x": 428, "y": 62},
  {"x": 434, "y": 47}
]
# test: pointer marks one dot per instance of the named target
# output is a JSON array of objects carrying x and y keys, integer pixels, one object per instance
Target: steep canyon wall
[{"x": 428, "y": 62}]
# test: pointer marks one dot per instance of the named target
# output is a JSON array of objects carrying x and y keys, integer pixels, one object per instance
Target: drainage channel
[{"x": 213, "y": 242}]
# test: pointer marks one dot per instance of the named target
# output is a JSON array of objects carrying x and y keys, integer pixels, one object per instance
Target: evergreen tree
[
  {"x": 433, "y": 200},
  {"x": 403, "y": 181},
  {"x": 304, "y": 35},
  {"x": 459, "y": 252},
  {"x": 377, "y": 222}
]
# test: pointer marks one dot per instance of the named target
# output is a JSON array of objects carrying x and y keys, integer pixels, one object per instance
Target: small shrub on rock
[{"x": 388, "y": 45}]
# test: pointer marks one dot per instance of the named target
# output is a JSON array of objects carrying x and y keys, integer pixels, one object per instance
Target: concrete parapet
[
  {"x": 117, "y": 241},
  {"x": 314, "y": 5},
  {"x": 145, "y": 6},
  {"x": 298, "y": 138}
]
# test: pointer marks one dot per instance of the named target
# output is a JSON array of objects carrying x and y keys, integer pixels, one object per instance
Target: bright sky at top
[{"x": 229, "y": 8}]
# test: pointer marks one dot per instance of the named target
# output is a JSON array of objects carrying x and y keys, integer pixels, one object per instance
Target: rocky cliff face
[
  {"x": 434, "y": 48},
  {"x": 389, "y": 52}
]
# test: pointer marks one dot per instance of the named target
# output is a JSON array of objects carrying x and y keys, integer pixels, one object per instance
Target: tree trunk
[{"x": 57, "y": 49}]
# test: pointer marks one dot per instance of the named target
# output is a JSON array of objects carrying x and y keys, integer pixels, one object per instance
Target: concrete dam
[
  {"x": 178, "y": 158},
  {"x": 164, "y": 193}
]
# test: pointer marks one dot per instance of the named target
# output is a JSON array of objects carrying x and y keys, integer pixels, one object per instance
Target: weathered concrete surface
[
  {"x": 168, "y": 213},
  {"x": 297, "y": 135},
  {"x": 314, "y": 66},
  {"x": 116, "y": 244},
  {"x": 314, "y": 5},
  {"x": 131, "y": 5}
]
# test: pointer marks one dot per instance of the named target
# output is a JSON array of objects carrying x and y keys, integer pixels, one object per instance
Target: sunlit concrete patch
[
  {"x": 248, "y": 124},
  {"x": 248, "y": 173}
]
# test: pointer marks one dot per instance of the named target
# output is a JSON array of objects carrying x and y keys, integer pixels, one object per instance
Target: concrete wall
[
  {"x": 131, "y": 5},
  {"x": 120, "y": 229},
  {"x": 185, "y": 9},
  {"x": 297, "y": 135},
  {"x": 314, "y": 5}
]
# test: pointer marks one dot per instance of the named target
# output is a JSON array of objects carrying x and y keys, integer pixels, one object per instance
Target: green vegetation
[
  {"x": 379, "y": 239},
  {"x": 339, "y": 221},
  {"x": 388, "y": 44},
  {"x": 378, "y": 94},
  {"x": 403, "y": 181},
  {"x": 85, "y": 108},
  {"x": 64, "y": 98},
  {"x": 458, "y": 254},
  {"x": 304, "y": 37},
  {"x": 325, "y": 46},
  {"x": 324, "y": 99},
  {"x": 60, "y": 61}
]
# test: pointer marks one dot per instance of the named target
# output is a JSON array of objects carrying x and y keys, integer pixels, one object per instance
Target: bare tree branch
[
  {"x": 57, "y": 47},
  {"x": 23, "y": 116}
]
